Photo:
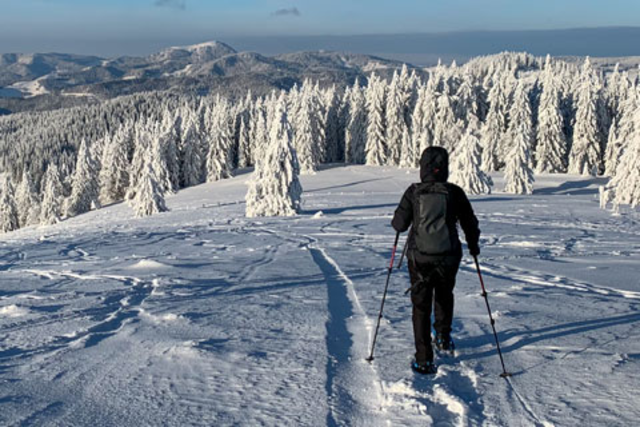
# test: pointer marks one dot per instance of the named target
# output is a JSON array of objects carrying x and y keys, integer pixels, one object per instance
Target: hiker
[{"x": 434, "y": 207}]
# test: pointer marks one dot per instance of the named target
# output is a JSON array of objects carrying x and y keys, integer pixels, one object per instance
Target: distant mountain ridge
[{"x": 200, "y": 67}]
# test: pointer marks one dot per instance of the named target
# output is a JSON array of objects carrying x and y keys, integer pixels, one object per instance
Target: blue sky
[{"x": 75, "y": 25}]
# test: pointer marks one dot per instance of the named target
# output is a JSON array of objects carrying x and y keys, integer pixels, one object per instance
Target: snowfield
[{"x": 200, "y": 316}]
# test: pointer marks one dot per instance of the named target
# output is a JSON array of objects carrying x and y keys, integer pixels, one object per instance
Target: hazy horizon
[{"x": 419, "y": 48}]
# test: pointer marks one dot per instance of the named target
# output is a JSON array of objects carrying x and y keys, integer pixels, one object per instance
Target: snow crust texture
[{"x": 201, "y": 316}]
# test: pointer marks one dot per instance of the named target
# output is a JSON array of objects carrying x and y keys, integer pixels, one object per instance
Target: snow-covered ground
[
  {"x": 202, "y": 317},
  {"x": 31, "y": 88}
]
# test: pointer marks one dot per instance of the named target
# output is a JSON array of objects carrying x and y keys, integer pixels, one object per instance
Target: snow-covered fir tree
[
  {"x": 244, "y": 143},
  {"x": 114, "y": 175},
  {"x": 141, "y": 154},
  {"x": 466, "y": 169},
  {"x": 356, "y": 131},
  {"x": 170, "y": 136},
  {"x": 423, "y": 120},
  {"x": 149, "y": 197},
  {"x": 465, "y": 99},
  {"x": 9, "y": 218},
  {"x": 494, "y": 130},
  {"x": 624, "y": 187},
  {"x": 150, "y": 152},
  {"x": 333, "y": 151},
  {"x": 51, "y": 209},
  {"x": 85, "y": 190},
  {"x": 190, "y": 153},
  {"x": 520, "y": 126},
  {"x": 219, "y": 158},
  {"x": 158, "y": 154},
  {"x": 551, "y": 147},
  {"x": 447, "y": 130},
  {"x": 518, "y": 174},
  {"x": 304, "y": 140},
  {"x": 27, "y": 201},
  {"x": 376, "y": 149},
  {"x": 585, "y": 155},
  {"x": 260, "y": 132},
  {"x": 274, "y": 189},
  {"x": 622, "y": 131},
  {"x": 395, "y": 121},
  {"x": 407, "y": 156}
]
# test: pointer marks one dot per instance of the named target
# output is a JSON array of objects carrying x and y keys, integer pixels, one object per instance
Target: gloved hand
[{"x": 474, "y": 250}]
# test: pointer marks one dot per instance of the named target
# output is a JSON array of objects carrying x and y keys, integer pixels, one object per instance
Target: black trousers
[{"x": 432, "y": 284}]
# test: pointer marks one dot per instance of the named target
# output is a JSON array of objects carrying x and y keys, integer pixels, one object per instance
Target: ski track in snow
[
  {"x": 518, "y": 275},
  {"x": 350, "y": 380}
]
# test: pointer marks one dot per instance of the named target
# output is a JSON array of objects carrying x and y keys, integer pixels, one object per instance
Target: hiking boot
[
  {"x": 445, "y": 343},
  {"x": 426, "y": 368}
]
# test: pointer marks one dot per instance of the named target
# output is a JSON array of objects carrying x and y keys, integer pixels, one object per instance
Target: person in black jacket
[{"x": 433, "y": 208}]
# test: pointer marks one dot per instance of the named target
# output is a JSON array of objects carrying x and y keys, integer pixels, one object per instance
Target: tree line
[{"x": 511, "y": 112}]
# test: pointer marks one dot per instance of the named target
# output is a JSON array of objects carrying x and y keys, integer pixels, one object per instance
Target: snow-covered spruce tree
[
  {"x": 375, "y": 150},
  {"x": 520, "y": 126},
  {"x": 624, "y": 187},
  {"x": 395, "y": 121},
  {"x": 344, "y": 112},
  {"x": 304, "y": 141},
  {"x": 149, "y": 197},
  {"x": 466, "y": 169},
  {"x": 318, "y": 118},
  {"x": 518, "y": 174},
  {"x": 85, "y": 189},
  {"x": 149, "y": 149},
  {"x": 481, "y": 94},
  {"x": 356, "y": 132},
  {"x": 170, "y": 135},
  {"x": 260, "y": 132},
  {"x": 447, "y": 129},
  {"x": 616, "y": 90},
  {"x": 192, "y": 164},
  {"x": 330, "y": 105},
  {"x": 622, "y": 131},
  {"x": 407, "y": 156},
  {"x": 409, "y": 83},
  {"x": 9, "y": 220},
  {"x": 551, "y": 147},
  {"x": 585, "y": 156},
  {"x": 219, "y": 158},
  {"x": 50, "y": 210},
  {"x": 423, "y": 120},
  {"x": 495, "y": 127},
  {"x": 274, "y": 189},
  {"x": 244, "y": 144},
  {"x": 142, "y": 151},
  {"x": 27, "y": 201},
  {"x": 65, "y": 171},
  {"x": 158, "y": 156},
  {"x": 114, "y": 175},
  {"x": 465, "y": 99}
]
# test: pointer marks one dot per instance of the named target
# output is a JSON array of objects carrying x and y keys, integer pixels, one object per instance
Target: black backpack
[{"x": 432, "y": 232}]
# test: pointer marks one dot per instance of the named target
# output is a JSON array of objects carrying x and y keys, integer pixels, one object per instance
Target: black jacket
[{"x": 434, "y": 167}]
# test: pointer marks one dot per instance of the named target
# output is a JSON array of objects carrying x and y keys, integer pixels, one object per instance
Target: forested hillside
[{"x": 511, "y": 112}]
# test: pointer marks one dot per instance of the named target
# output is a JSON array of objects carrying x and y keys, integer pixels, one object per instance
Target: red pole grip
[{"x": 393, "y": 256}]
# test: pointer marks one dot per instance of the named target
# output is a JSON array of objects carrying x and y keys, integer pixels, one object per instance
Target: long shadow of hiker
[{"x": 529, "y": 337}]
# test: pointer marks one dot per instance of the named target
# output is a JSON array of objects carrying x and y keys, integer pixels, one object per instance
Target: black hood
[{"x": 434, "y": 165}]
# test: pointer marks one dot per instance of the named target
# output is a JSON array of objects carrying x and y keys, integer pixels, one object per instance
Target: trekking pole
[
  {"x": 384, "y": 296},
  {"x": 504, "y": 373},
  {"x": 404, "y": 250}
]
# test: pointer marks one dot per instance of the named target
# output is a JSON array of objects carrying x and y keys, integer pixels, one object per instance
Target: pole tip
[
  {"x": 369, "y": 359},
  {"x": 506, "y": 374}
]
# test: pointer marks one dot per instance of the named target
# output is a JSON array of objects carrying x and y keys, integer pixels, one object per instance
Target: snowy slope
[{"x": 202, "y": 317}]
